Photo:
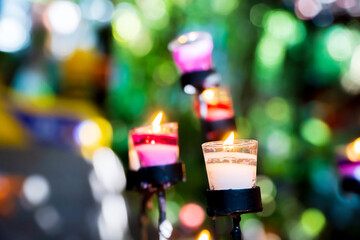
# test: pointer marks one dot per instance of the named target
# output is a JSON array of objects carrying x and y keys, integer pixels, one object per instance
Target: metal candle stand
[
  {"x": 233, "y": 203},
  {"x": 150, "y": 180},
  {"x": 214, "y": 130},
  {"x": 200, "y": 80}
]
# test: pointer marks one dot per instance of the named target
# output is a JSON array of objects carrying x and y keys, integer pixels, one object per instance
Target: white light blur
[
  {"x": 351, "y": 83},
  {"x": 87, "y": 133},
  {"x": 36, "y": 189},
  {"x": 278, "y": 143},
  {"x": 165, "y": 230},
  {"x": 48, "y": 219},
  {"x": 108, "y": 169},
  {"x": 339, "y": 44},
  {"x": 253, "y": 229},
  {"x": 189, "y": 89},
  {"x": 307, "y": 9},
  {"x": 351, "y": 80},
  {"x": 113, "y": 220},
  {"x": 355, "y": 62},
  {"x": 357, "y": 173},
  {"x": 97, "y": 10},
  {"x": 127, "y": 23},
  {"x": 97, "y": 188},
  {"x": 14, "y": 35},
  {"x": 63, "y": 17}
]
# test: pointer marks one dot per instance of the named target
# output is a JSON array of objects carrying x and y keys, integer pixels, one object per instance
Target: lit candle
[
  {"x": 192, "y": 51},
  {"x": 156, "y": 144},
  {"x": 349, "y": 159},
  {"x": 231, "y": 164},
  {"x": 215, "y": 104}
]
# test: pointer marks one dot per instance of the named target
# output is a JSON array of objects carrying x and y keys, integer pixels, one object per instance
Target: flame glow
[
  {"x": 230, "y": 139},
  {"x": 209, "y": 95},
  {"x": 353, "y": 151},
  {"x": 156, "y": 122},
  {"x": 204, "y": 235}
]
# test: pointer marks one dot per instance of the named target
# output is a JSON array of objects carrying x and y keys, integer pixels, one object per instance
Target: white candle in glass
[{"x": 231, "y": 166}]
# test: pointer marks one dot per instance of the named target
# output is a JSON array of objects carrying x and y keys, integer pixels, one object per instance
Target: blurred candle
[
  {"x": 215, "y": 104},
  {"x": 230, "y": 164},
  {"x": 192, "y": 51},
  {"x": 156, "y": 144}
]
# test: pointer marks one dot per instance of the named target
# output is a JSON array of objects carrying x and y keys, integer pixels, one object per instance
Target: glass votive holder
[
  {"x": 155, "y": 148},
  {"x": 215, "y": 104},
  {"x": 192, "y": 51},
  {"x": 231, "y": 166}
]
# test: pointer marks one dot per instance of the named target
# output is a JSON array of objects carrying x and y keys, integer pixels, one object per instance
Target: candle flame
[
  {"x": 353, "y": 151},
  {"x": 182, "y": 39},
  {"x": 156, "y": 122},
  {"x": 204, "y": 235},
  {"x": 230, "y": 139},
  {"x": 209, "y": 95}
]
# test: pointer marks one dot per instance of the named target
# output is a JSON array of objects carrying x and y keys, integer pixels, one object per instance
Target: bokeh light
[
  {"x": 307, "y": 9},
  {"x": 191, "y": 215},
  {"x": 204, "y": 235},
  {"x": 63, "y": 17},
  {"x": 87, "y": 133},
  {"x": 339, "y": 43},
  {"x": 315, "y": 132},
  {"x": 313, "y": 221},
  {"x": 36, "y": 189},
  {"x": 17, "y": 35}
]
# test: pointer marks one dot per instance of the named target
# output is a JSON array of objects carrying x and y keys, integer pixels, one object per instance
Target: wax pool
[
  {"x": 156, "y": 149},
  {"x": 230, "y": 170}
]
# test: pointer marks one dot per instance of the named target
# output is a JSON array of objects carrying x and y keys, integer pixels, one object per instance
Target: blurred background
[{"x": 76, "y": 76}]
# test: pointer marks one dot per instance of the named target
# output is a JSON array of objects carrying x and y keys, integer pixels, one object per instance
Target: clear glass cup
[
  {"x": 154, "y": 148},
  {"x": 231, "y": 166}
]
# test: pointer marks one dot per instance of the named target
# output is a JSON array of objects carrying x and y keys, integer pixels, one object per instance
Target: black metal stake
[
  {"x": 214, "y": 229},
  {"x": 162, "y": 206},
  {"x": 144, "y": 220},
  {"x": 236, "y": 231}
]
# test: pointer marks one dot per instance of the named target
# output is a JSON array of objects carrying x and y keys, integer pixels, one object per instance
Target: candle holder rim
[
  {"x": 167, "y": 125},
  {"x": 237, "y": 143},
  {"x": 201, "y": 35}
]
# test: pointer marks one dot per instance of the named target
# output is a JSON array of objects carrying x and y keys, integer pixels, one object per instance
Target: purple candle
[
  {"x": 192, "y": 51},
  {"x": 156, "y": 144}
]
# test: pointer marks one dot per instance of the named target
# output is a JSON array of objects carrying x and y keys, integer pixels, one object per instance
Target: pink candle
[
  {"x": 192, "y": 51},
  {"x": 156, "y": 144},
  {"x": 216, "y": 104}
]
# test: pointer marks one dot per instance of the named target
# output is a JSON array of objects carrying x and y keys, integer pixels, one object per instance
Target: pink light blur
[
  {"x": 191, "y": 215},
  {"x": 192, "y": 51},
  {"x": 307, "y": 9}
]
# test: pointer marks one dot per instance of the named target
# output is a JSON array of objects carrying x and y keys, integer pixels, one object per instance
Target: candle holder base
[
  {"x": 215, "y": 130},
  {"x": 233, "y": 201},
  {"x": 161, "y": 176},
  {"x": 200, "y": 80},
  {"x": 133, "y": 180}
]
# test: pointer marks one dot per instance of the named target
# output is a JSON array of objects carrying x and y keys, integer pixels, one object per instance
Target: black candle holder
[
  {"x": 234, "y": 202},
  {"x": 215, "y": 130},
  {"x": 200, "y": 80},
  {"x": 151, "y": 180}
]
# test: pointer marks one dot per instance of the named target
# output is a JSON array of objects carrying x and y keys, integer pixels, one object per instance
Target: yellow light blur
[
  {"x": 353, "y": 151},
  {"x": 182, "y": 39},
  {"x": 209, "y": 95},
  {"x": 89, "y": 133},
  {"x": 230, "y": 139},
  {"x": 156, "y": 122},
  {"x": 204, "y": 235}
]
